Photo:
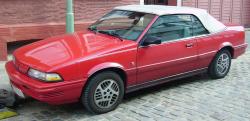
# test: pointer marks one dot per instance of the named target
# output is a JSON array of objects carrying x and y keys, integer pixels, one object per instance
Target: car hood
[{"x": 52, "y": 52}]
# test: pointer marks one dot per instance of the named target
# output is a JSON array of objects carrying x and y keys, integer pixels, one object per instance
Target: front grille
[{"x": 52, "y": 94}]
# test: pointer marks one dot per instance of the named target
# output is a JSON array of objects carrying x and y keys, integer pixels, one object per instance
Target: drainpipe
[
  {"x": 70, "y": 17},
  {"x": 179, "y": 2},
  {"x": 141, "y": 2}
]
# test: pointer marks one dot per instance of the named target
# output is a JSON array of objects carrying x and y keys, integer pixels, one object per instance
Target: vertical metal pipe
[
  {"x": 179, "y": 2},
  {"x": 70, "y": 17},
  {"x": 141, "y": 2}
]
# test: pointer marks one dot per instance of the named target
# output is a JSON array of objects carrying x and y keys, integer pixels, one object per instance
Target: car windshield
[{"x": 122, "y": 24}]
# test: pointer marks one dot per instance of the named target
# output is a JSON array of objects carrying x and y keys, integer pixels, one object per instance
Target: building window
[
  {"x": 162, "y": 2},
  {"x": 156, "y": 2}
]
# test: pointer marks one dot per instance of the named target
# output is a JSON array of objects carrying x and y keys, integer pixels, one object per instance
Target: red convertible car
[{"x": 130, "y": 48}]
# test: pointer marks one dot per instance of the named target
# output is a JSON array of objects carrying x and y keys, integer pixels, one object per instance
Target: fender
[
  {"x": 104, "y": 66},
  {"x": 225, "y": 44}
]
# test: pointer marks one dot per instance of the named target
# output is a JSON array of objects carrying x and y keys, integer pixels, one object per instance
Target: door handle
[{"x": 189, "y": 45}]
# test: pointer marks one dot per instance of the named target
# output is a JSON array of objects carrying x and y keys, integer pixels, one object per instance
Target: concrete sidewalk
[
  {"x": 4, "y": 80},
  {"x": 6, "y": 93}
]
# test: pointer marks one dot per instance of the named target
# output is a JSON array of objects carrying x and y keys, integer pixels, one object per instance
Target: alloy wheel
[
  {"x": 106, "y": 93},
  {"x": 223, "y": 63}
]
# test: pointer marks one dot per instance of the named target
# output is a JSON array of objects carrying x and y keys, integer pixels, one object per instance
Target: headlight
[{"x": 48, "y": 77}]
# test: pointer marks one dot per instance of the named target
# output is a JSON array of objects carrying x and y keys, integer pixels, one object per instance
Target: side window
[
  {"x": 172, "y": 27},
  {"x": 198, "y": 28}
]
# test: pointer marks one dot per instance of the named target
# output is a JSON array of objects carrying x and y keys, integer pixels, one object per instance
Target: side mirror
[{"x": 151, "y": 40}]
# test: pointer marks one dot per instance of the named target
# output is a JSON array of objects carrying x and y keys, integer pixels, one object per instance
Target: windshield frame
[{"x": 139, "y": 37}]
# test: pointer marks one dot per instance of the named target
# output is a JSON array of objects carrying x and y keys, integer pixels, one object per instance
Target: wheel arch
[
  {"x": 113, "y": 67},
  {"x": 227, "y": 46}
]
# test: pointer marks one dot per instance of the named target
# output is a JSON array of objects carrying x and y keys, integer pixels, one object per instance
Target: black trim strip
[{"x": 164, "y": 80}]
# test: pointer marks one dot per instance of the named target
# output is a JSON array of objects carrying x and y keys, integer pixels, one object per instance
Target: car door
[
  {"x": 175, "y": 55},
  {"x": 205, "y": 52}
]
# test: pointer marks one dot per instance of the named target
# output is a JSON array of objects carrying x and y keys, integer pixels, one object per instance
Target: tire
[
  {"x": 218, "y": 68},
  {"x": 103, "y": 93}
]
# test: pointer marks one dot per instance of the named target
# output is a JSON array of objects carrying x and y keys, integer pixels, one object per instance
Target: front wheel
[
  {"x": 220, "y": 65},
  {"x": 103, "y": 93}
]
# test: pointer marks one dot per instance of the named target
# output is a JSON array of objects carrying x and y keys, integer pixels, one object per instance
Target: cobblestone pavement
[{"x": 191, "y": 99}]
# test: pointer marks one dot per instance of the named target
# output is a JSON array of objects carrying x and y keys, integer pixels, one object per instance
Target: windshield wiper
[
  {"x": 92, "y": 28},
  {"x": 112, "y": 34}
]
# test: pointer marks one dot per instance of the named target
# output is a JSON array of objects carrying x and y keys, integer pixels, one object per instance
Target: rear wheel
[
  {"x": 220, "y": 65},
  {"x": 103, "y": 93}
]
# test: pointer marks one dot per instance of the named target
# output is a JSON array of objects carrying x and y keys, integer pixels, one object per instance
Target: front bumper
[{"x": 52, "y": 93}]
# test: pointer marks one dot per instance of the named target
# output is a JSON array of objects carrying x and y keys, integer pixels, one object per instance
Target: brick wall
[
  {"x": 87, "y": 10},
  {"x": 53, "y": 11},
  {"x": 39, "y": 19},
  {"x": 172, "y": 2},
  {"x": 33, "y": 19}
]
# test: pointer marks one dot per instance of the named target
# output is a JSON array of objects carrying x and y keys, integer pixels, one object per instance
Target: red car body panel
[
  {"x": 208, "y": 46},
  {"x": 156, "y": 64},
  {"x": 78, "y": 56}
]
